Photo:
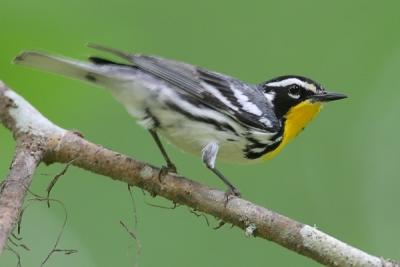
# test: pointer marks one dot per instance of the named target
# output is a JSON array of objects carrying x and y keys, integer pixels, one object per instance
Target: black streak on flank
[
  {"x": 91, "y": 77},
  {"x": 255, "y": 155},
  {"x": 254, "y": 144},
  {"x": 218, "y": 125}
]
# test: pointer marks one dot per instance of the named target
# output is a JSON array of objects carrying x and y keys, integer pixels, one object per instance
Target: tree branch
[
  {"x": 40, "y": 140},
  {"x": 13, "y": 188}
]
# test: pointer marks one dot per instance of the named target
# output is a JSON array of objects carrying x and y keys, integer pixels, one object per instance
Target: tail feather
[
  {"x": 128, "y": 57},
  {"x": 86, "y": 71}
]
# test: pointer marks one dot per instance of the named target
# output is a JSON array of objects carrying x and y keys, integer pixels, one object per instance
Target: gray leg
[
  {"x": 209, "y": 155},
  {"x": 170, "y": 166}
]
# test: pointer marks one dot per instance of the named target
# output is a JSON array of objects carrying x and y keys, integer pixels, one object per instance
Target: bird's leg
[
  {"x": 232, "y": 190},
  {"x": 170, "y": 166},
  {"x": 209, "y": 155}
]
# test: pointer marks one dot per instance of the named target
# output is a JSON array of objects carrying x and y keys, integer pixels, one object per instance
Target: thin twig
[
  {"x": 135, "y": 217},
  {"x": 162, "y": 207},
  {"x": 134, "y": 236},
  {"x": 55, "y": 180},
  {"x": 38, "y": 198},
  {"x": 135, "y": 226},
  {"x": 16, "y": 237},
  {"x": 55, "y": 246},
  {"x": 16, "y": 255},
  {"x": 200, "y": 215}
]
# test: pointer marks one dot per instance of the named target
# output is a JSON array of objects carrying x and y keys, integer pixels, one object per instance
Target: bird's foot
[
  {"x": 232, "y": 192},
  {"x": 170, "y": 168}
]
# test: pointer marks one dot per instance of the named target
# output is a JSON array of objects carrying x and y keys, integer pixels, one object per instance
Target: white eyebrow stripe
[
  {"x": 287, "y": 82},
  {"x": 290, "y": 81}
]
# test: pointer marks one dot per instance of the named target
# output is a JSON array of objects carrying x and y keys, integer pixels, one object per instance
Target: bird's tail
[{"x": 87, "y": 71}]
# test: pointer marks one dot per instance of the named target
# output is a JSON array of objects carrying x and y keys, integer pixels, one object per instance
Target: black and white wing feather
[{"x": 245, "y": 103}]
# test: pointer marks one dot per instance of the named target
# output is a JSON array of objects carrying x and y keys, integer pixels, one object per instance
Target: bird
[{"x": 202, "y": 112}]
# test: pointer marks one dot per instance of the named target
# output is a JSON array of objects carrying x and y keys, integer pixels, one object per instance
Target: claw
[
  {"x": 232, "y": 192},
  {"x": 171, "y": 168},
  {"x": 235, "y": 192},
  {"x": 166, "y": 170}
]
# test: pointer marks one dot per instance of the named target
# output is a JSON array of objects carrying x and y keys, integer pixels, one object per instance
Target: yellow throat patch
[{"x": 296, "y": 119}]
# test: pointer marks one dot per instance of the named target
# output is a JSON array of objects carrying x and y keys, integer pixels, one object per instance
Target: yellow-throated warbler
[{"x": 200, "y": 111}]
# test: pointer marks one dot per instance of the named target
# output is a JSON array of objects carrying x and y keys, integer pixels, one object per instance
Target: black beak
[{"x": 327, "y": 97}]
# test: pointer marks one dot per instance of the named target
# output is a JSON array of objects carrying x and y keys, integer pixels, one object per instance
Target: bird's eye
[{"x": 294, "y": 91}]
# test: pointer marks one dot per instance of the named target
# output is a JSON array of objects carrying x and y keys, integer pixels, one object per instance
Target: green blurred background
[{"x": 341, "y": 174}]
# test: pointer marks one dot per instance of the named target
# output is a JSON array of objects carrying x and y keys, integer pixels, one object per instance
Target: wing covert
[{"x": 243, "y": 102}]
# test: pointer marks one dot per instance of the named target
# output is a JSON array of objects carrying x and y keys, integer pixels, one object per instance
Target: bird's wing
[{"x": 243, "y": 102}]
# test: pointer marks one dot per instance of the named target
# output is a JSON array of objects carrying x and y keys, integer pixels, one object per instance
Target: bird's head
[
  {"x": 298, "y": 94},
  {"x": 295, "y": 100}
]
